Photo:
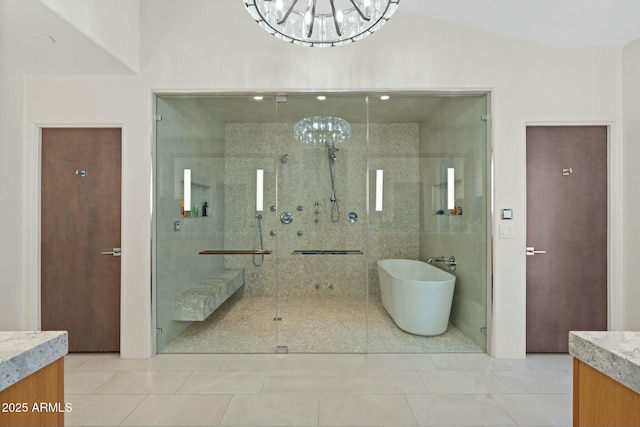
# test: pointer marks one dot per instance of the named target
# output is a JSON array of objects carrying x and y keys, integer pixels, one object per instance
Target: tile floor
[
  {"x": 244, "y": 324},
  {"x": 318, "y": 390}
]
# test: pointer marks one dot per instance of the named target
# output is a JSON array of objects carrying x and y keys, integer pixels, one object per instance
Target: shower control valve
[{"x": 286, "y": 218}]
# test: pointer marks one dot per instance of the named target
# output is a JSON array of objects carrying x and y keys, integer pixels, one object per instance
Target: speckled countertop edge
[
  {"x": 23, "y": 353},
  {"x": 615, "y": 354}
]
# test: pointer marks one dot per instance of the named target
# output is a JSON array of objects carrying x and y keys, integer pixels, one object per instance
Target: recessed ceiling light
[
  {"x": 258, "y": 98},
  {"x": 384, "y": 97},
  {"x": 321, "y": 97},
  {"x": 46, "y": 37}
]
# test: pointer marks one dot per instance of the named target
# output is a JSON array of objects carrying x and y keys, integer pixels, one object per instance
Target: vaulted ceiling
[{"x": 558, "y": 23}]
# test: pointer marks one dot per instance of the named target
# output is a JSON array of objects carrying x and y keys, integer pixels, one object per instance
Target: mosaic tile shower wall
[{"x": 304, "y": 180}]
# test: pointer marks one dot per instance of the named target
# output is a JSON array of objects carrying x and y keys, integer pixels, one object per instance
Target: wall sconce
[
  {"x": 451, "y": 188},
  {"x": 259, "y": 190},
  {"x": 187, "y": 189},
  {"x": 379, "y": 188}
]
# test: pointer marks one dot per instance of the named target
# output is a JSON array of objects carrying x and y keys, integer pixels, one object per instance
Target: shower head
[
  {"x": 332, "y": 151},
  {"x": 322, "y": 130}
]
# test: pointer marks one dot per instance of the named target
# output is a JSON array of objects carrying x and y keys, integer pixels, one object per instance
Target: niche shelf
[{"x": 200, "y": 193}]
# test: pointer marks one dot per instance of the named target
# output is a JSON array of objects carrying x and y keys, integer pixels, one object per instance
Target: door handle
[
  {"x": 114, "y": 252},
  {"x": 532, "y": 251}
]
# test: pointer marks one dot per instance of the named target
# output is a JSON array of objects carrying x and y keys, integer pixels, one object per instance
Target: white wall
[
  {"x": 21, "y": 52},
  {"x": 11, "y": 252},
  {"x": 631, "y": 98},
  {"x": 99, "y": 101},
  {"x": 182, "y": 50},
  {"x": 73, "y": 52},
  {"x": 112, "y": 24}
]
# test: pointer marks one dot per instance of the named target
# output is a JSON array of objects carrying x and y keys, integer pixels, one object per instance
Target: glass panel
[
  {"x": 416, "y": 140},
  {"x": 205, "y": 249},
  {"x": 303, "y": 225},
  {"x": 248, "y": 326},
  {"x": 321, "y": 253}
]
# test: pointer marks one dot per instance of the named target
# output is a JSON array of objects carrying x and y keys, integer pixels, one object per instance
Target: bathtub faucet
[{"x": 449, "y": 262}]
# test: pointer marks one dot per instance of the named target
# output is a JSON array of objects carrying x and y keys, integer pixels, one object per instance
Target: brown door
[
  {"x": 80, "y": 214},
  {"x": 567, "y": 229}
]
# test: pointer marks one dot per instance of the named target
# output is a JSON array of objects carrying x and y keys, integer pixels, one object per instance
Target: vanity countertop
[
  {"x": 23, "y": 353},
  {"x": 615, "y": 354}
]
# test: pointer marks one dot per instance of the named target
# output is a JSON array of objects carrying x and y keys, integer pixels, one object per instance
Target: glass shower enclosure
[{"x": 271, "y": 212}]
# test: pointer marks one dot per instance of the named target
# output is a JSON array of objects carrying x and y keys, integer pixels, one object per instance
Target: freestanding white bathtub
[{"x": 416, "y": 295}]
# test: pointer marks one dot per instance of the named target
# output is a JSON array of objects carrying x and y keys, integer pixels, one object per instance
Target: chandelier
[
  {"x": 321, "y": 23},
  {"x": 323, "y": 130}
]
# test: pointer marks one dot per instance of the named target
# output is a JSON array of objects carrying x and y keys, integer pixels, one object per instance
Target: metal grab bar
[
  {"x": 327, "y": 252},
  {"x": 234, "y": 252}
]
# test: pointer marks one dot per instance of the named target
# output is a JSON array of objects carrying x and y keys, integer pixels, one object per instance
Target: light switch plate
[
  {"x": 506, "y": 231},
  {"x": 507, "y": 213}
]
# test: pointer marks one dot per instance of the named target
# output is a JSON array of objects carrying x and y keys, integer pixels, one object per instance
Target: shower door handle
[
  {"x": 532, "y": 251},
  {"x": 114, "y": 252}
]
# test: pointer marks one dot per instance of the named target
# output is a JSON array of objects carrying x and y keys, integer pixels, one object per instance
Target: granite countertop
[
  {"x": 23, "y": 353},
  {"x": 615, "y": 354}
]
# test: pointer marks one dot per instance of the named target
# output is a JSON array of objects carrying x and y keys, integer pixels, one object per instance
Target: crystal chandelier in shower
[
  {"x": 322, "y": 130},
  {"x": 321, "y": 23}
]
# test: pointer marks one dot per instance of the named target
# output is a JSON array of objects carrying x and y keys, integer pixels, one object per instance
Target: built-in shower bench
[{"x": 197, "y": 303}]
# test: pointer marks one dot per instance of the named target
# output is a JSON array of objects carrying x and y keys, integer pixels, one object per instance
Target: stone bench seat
[{"x": 197, "y": 303}]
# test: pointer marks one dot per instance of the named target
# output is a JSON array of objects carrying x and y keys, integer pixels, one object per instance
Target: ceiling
[
  {"x": 400, "y": 108},
  {"x": 561, "y": 23},
  {"x": 558, "y": 23},
  {"x": 26, "y": 45}
]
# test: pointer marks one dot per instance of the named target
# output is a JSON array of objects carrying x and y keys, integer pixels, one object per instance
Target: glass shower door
[
  {"x": 433, "y": 159},
  {"x": 321, "y": 229},
  {"x": 251, "y": 162},
  {"x": 210, "y": 151}
]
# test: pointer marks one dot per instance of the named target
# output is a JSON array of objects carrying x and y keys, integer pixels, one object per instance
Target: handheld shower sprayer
[
  {"x": 335, "y": 209},
  {"x": 258, "y": 260},
  {"x": 332, "y": 151}
]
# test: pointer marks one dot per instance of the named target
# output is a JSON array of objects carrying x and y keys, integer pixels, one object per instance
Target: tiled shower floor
[{"x": 245, "y": 324}]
